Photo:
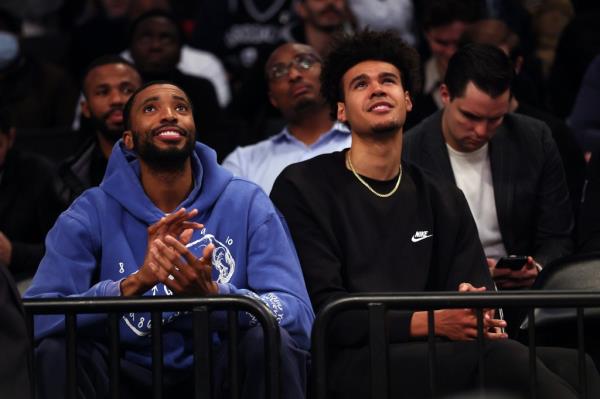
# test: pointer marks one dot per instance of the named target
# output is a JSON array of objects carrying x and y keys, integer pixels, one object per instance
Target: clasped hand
[
  {"x": 461, "y": 324},
  {"x": 170, "y": 262}
]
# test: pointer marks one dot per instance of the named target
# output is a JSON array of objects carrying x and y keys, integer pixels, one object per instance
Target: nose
[
  {"x": 294, "y": 73},
  {"x": 118, "y": 98},
  {"x": 481, "y": 129},
  {"x": 377, "y": 89},
  {"x": 168, "y": 115}
]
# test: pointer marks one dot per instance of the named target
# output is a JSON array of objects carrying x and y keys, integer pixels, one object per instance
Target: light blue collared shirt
[{"x": 262, "y": 162}]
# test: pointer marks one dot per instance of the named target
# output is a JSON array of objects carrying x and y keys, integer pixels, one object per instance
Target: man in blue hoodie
[{"x": 133, "y": 235}]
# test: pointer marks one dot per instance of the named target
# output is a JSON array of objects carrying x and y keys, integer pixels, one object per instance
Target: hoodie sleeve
[
  {"x": 274, "y": 274},
  {"x": 68, "y": 269}
]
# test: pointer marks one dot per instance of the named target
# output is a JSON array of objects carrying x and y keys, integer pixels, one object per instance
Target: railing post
[
  {"x": 114, "y": 355},
  {"x": 379, "y": 352},
  {"x": 431, "y": 352},
  {"x": 71, "y": 328},
  {"x": 234, "y": 379},
  {"x": 157, "y": 355},
  {"x": 202, "y": 352},
  {"x": 581, "y": 353},
  {"x": 532, "y": 355}
]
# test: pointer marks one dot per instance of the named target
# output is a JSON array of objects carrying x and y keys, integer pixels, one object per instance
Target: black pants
[
  {"x": 506, "y": 370},
  {"x": 136, "y": 381}
]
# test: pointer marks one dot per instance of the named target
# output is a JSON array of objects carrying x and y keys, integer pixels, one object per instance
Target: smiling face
[
  {"x": 162, "y": 129},
  {"x": 375, "y": 101},
  {"x": 107, "y": 88},
  {"x": 298, "y": 89},
  {"x": 471, "y": 120}
]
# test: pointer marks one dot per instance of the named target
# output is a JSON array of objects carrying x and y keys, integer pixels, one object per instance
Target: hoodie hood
[{"x": 123, "y": 170}]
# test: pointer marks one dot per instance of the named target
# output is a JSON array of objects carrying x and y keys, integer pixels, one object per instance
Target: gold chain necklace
[{"x": 371, "y": 189}]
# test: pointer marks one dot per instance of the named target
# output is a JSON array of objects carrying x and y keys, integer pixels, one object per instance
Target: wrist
[{"x": 133, "y": 285}]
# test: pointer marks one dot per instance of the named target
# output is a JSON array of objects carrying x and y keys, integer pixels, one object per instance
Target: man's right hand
[
  {"x": 459, "y": 324},
  {"x": 176, "y": 224}
]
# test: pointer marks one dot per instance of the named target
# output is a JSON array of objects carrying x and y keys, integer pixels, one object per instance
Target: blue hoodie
[{"x": 102, "y": 239}]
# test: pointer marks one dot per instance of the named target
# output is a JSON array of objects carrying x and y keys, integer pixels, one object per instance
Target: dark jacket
[
  {"x": 532, "y": 199},
  {"x": 15, "y": 364},
  {"x": 28, "y": 208}
]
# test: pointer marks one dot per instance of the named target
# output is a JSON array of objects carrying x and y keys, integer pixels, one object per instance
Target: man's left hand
[
  {"x": 522, "y": 278},
  {"x": 5, "y": 250},
  {"x": 178, "y": 269}
]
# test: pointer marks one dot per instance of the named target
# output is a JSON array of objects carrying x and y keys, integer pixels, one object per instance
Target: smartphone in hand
[{"x": 512, "y": 262}]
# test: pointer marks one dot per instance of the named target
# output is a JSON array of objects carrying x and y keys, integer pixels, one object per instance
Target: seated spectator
[
  {"x": 155, "y": 46},
  {"x": 28, "y": 206},
  {"x": 293, "y": 73},
  {"x": 168, "y": 220},
  {"x": 444, "y": 21},
  {"x": 319, "y": 22},
  {"x": 243, "y": 34},
  {"x": 577, "y": 47},
  {"x": 15, "y": 367},
  {"x": 107, "y": 85},
  {"x": 364, "y": 222},
  {"x": 497, "y": 33},
  {"x": 37, "y": 94},
  {"x": 521, "y": 208},
  {"x": 105, "y": 32},
  {"x": 398, "y": 15},
  {"x": 584, "y": 118},
  {"x": 589, "y": 218}
]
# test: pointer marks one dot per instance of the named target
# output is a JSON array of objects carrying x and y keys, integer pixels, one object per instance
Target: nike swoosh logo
[{"x": 417, "y": 239}]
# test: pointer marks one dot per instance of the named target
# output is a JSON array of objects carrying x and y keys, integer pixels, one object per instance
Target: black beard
[
  {"x": 163, "y": 161},
  {"x": 111, "y": 135},
  {"x": 385, "y": 129}
]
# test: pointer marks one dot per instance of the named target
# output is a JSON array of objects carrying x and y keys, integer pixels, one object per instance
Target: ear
[
  {"x": 445, "y": 94},
  {"x": 341, "y": 112},
  {"x": 518, "y": 65},
  {"x": 85, "y": 109},
  {"x": 128, "y": 139},
  {"x": 408, "y": 101},
  {"x": 300, "y": 9},
  {"x": 272, "y": 100}
]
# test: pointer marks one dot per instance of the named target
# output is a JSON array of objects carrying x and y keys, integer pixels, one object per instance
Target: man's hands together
[
  {"x": 168, "y": 261},
  {"x": 522, "y": 278},
  {"x": 460, "y": 324}
]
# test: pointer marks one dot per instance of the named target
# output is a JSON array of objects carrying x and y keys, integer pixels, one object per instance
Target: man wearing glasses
[{"x": 292, "y": 73}]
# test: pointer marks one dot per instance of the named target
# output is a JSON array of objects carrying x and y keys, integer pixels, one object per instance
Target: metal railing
[
  {"x": 377, "y": 306},
  {"x": 200, "y": 309}
]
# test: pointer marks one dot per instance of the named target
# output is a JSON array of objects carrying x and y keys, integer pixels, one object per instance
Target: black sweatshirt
[{"x": 422, "y": 238}]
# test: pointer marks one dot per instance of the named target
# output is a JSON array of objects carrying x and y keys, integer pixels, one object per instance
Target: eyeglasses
[{"x": 302, "y": 62}]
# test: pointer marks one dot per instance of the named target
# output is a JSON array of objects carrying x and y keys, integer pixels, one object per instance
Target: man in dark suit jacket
[{"x": 507, "y": 165}]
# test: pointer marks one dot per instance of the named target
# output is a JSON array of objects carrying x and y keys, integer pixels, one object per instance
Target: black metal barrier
[
  {"x": 378, "y": 304},
  {"x": 200, "y": 309}
]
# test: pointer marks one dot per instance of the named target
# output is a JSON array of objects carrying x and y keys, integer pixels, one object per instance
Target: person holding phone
[{"x": 506, "y": 164}]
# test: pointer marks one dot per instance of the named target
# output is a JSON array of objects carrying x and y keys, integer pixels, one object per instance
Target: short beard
[
  {"x": 101, "y": 127},
  {"x": 163, "y": 161},
  {"x": 386, "y": 129}
]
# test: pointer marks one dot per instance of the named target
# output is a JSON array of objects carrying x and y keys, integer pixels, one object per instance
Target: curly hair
[{"x": 350, "y": 49}]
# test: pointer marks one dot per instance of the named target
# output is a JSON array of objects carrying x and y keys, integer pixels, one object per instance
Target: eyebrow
[
  {"x": 176, "y": 97},
  {"x": 357, "y": 78},
  {"x": 472, "y": 115},
  {"x": 149, "y": 100}
]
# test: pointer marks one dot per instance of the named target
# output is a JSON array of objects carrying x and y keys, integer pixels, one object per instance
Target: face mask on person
[{"x": 9, "y": 49}]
